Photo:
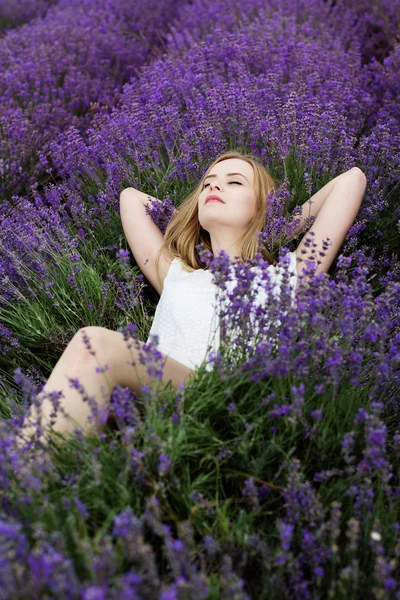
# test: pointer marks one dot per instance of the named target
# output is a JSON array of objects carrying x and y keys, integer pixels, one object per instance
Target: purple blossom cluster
[
  {"x": 60, "y": 70},
  {"x": 331, "y": 329},
  {"x": 277, "y": 475},
  {"x": 48, "y": 566}
]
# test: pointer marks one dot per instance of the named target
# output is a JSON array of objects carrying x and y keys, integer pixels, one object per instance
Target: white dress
[{"x": 186, "y": 321}]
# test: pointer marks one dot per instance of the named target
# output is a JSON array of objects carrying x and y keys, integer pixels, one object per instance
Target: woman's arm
[
  {"x": 147, "y": 199},
  {"x": 311, "y": 207}
]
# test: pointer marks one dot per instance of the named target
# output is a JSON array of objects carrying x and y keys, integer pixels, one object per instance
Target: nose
[{"x": 213, "y": 185}]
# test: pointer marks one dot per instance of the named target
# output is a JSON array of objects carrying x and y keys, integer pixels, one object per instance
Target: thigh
[{"x": 112, "y": 349}]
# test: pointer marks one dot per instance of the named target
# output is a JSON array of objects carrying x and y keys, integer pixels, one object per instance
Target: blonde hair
[{"x": 184, "y": 231}]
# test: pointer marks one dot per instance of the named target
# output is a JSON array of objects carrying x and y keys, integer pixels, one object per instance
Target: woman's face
[{"x": 232, "y": 180}]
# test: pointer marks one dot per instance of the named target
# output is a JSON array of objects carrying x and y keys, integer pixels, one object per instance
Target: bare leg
[{"x": 77, "y": 362}]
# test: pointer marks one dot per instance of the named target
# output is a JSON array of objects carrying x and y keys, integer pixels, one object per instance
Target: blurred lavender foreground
[{"x": 277, "y": 474}]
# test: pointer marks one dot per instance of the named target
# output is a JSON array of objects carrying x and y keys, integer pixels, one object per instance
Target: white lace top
[{"x": 186, "y": 315}]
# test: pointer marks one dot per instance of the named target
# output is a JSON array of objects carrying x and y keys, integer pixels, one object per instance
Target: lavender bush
[
  {"x": 14, "y": 13},
  {"x": 61, "y": 70},
  {"x": 275, "y": 474}
]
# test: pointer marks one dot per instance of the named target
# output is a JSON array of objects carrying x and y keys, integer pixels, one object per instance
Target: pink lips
[{"x": 213, "y": 198}]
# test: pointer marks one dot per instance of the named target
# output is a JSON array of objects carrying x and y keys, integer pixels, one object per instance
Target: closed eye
[{"x": 238, "y": 182}]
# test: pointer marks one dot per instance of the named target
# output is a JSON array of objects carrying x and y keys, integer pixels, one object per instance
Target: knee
[{"x": 88, "y": 340}]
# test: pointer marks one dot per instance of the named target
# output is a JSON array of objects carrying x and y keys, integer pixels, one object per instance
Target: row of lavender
[
  {"x": 13, "y": 14},
  {"x": 297, "y": 84},
  {"x": 64, "y": 68}
]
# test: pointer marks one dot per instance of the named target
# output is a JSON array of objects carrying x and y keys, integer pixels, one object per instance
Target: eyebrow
[{"x": 228, "y": 174}]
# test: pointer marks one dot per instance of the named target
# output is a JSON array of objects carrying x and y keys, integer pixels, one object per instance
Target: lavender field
[{"x": 275, "y": 474}]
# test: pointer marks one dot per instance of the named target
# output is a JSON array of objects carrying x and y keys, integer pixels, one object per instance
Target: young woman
[{"x": 224, "y": 212}]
